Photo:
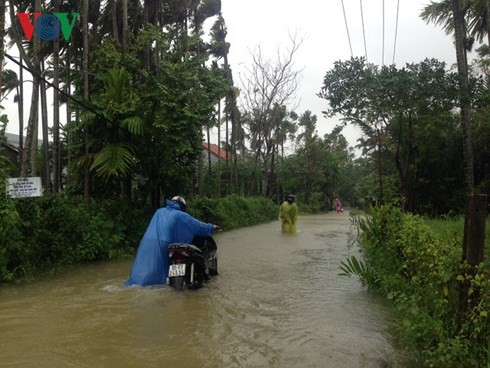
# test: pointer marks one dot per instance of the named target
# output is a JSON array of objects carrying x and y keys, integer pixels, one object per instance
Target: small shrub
[
  {"x": 421, "y": 272},
  {"x": 41, "y": 234}
]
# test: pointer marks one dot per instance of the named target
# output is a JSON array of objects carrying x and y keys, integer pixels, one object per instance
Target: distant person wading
[
  {"x": 288, "y": 214},
  {"x": 338, "y": 206}
]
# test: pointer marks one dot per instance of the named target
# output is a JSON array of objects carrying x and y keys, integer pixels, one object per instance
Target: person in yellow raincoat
[{"x": 288, "y": 214}]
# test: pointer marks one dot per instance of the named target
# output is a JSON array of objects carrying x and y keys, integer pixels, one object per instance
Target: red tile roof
[{"x": 214, "y": 150}]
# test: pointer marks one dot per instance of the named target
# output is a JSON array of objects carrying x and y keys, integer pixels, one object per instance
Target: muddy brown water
[{"x": 277, "y": 302}]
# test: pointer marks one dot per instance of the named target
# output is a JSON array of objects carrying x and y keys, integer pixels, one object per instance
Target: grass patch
[{"x": 451, "y": 230}]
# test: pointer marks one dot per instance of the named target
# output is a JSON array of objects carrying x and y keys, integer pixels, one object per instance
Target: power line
[
  {"x": 396, "y": 30},
  {"x": 347, "y": 28},
  {"x": 363, "y": 31}
]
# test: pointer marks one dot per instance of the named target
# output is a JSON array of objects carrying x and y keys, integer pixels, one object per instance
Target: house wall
[
  {"x": 214, "y": 158},
  {"x": 10, "y": 153}
]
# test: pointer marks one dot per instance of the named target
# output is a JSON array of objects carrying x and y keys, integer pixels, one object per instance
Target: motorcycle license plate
[{"x": 176, "y": 270}]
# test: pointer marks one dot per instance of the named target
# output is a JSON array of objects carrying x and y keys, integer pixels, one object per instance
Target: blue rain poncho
[{"x": 168, "y": 225}]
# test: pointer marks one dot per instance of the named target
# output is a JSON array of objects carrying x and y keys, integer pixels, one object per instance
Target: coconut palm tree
[
  {"x": 56, "y": 109},
  {"x": 28, "y": 164},
  {"x": 461, "y": 57},
  {"x": 86, "y": 95},
  {"x": 2, "y": 41},
  {"x": 452, "y": 14}
]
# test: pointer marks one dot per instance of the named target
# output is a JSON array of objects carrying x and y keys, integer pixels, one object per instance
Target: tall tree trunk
[
  {"x": 272, "y": 182},
  {"x": 56, "y": 109},
  {"x": 209, "y": 152},
  {"x": 488, "y": 22},
  {"x": 230, "y": 112},
  {"x": 126, "y": 183},
  {"x": 459, "y": 35},
  {"x": 44, "y": 120},
  {"x": 125, "y": 26},
  {"x": 2, "y": 41},
  {"x": 17, "y": 39},
  {"x": 86, "y": 95},
  {"x": 29, "y": 158},
  {"x": 68, "y": 112},
  {"x": 218, "y": 173},
  {"x": 28, "y": 166},
  {"x": 227, "y": 141},
  {"x": 20, "y": 102},
  {"x": 380, "y": 166},
  {"x": 115, "y": 32},
  {"x": 234, "y": 150}
]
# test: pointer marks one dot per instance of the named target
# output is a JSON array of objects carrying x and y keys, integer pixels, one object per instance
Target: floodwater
[{"x": 277, "y": 302}]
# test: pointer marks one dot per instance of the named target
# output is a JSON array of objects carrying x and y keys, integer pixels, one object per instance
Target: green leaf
[
  {"x": 114, "y": 160},
  {"x": 134, "y": 124}
]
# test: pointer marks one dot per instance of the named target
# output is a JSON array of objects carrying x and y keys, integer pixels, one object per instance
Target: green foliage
[
  {"x": 114, "y": 160},
  {"x": 10, "y": 238},
  {"x": 410, "y": 131},
  {"x": 353, "y": 266},
  {"x": 318, "y": 203},
  {"x": 233, "y": 211},
  {"x": 422, "y": 273},
  {"x": 42, "y": 234},
  {"x": 320, "y": 170},
  {"x": 150, "y": 116}
]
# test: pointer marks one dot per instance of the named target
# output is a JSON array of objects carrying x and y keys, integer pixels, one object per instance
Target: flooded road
[{"x": 277, "y": 302}]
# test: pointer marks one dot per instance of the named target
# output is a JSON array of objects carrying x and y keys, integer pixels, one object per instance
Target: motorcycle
[{"x": 191, "y": 265}]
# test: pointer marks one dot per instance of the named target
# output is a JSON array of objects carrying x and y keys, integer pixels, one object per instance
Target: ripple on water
[{"x": 278, "y": 302}]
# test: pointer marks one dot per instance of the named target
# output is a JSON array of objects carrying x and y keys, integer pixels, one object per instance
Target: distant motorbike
[{"x": 191, "y": 265}]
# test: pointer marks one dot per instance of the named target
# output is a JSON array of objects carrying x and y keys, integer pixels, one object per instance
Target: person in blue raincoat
[{"x": 170, "y": 224}]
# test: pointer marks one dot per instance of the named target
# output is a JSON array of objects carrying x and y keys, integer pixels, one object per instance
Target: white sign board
[{"x": 24, "y": 187}]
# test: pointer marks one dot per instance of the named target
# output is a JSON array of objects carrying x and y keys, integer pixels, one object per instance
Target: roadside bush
[
  {"x": 39, "y": 235},
  {"x": 317, "y": 203},
  {"x": 42, "y": 234},
  {"x": 58, "y": 229},
  {"x": 204, "y": 209},
  {"x": 119, "y": 236},
  {"x": 12, "y": 252},
  {"x": 233, "y": 211},
  {"x": 422, "y": 274}
]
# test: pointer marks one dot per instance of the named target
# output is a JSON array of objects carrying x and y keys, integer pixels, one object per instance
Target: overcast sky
[{"x": 322, "y": 26}]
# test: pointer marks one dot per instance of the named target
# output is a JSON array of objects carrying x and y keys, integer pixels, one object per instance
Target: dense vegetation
[
  {"x": 39, "y": 235},
  {"x": 417, "y": 264},
  {"x": 139, "y": 85}
]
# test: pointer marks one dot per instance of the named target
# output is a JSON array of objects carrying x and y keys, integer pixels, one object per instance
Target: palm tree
[
  {"x": 452, "y": 15},
  {"x": 459, "y": 36},
  {"x": 28, "y": 164},
  {"x": 86, "y": 95},
  {"x": 124, "y": 26},
  {"x": 56, "y": 109},
  {"x": 116, "y": 158},
  {"x": 10, "y": 83},
  {"x": 2, "y": 41}
]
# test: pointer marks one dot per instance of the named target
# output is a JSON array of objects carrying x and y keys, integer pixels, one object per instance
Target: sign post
[{"x": 24, "y": 187}]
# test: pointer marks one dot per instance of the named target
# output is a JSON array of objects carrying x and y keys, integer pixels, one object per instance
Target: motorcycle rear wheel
[
  {"x": 213, "y": 267},
  {"x": 178, "y": 282}
]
